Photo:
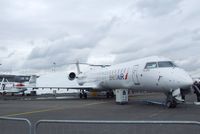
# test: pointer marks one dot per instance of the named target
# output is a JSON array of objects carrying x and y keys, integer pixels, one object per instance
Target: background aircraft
[{"x": 14, "y": 84}]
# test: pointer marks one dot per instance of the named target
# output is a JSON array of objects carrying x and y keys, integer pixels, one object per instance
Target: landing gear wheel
[
  {"x": 85, "y": 95},
  {"x": 112, "y": 94},
  {"x": 171, "y": 101},
  {"x": 107, "y": 95},
  {"x": 4, "y": 93},
  {"x": 174, "y": 104},
  {"x": 80, "y": 95},
  {"x": 171, "y": 104}
]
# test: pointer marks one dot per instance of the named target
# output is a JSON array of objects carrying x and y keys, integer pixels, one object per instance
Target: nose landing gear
[
  {"x": 170, "y": 101},
  {"x": 173, "y": 98}
]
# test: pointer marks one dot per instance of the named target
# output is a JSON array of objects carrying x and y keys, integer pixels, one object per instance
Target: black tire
[
  {"x": 198, "y": 98},
  {"x": 168, "y": 104},
  {"x": 85, "y": 95},
  {"x": 171, "y": 104},
  {"x": 4, "y": 93},
  {"x": 112, "y": 95},
  {"x": 80, "y": 95},
  {"x": 107, "y": 95}
]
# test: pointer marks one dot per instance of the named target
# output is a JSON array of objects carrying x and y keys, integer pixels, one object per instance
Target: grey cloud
[
  {"x": 44, "y": 19},
  {"x": 180, "y": 45},
  {"x": 192, "y": 63},
  {"x": 11, "y": 54},
  {"x": 3, "y": 48},
  {"x": 183, "y": 39},
  {"x": 39, "y": 32},
  {"x": 157, "y": 7},
  {"x": 183, "y": 34},
  {"x": 131, "y": 47},
  {"x": 70, "y": 47},
  {"x": 196, "y": 35},
  {"x": 61, "y": 59}
]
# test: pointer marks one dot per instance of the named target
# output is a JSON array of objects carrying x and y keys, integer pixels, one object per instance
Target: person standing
[{"x": 196, "y": 87}]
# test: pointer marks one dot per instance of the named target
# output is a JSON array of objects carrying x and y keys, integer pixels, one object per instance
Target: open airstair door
[
  {"x": 135, "y": 75},
  {"x": 2, "y": 84},
  {"x": 196, "y": 89}
]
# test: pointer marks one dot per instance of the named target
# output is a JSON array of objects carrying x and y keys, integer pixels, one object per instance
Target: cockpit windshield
[
  {"x": 151, "y": 65},
  {"x": 160, "y": 64},
  {"x": 166, "y": 64}
]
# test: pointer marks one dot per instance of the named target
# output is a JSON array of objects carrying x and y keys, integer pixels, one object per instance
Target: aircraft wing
[{"x": 77, "y": 88}]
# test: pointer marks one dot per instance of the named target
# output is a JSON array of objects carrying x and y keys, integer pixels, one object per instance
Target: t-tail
[
  {"x": 73, "y": 75},
  {"x": 33, "y": 80}
]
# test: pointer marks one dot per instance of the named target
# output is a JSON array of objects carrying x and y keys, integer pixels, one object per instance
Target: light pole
[{"x": 54, "y": 66}]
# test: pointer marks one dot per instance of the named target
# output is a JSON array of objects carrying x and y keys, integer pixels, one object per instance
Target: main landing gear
[
  {"x": 3, "y": 93},
  {"x": 82, "y": 94},
  {"x": 110, "y": 94},
  {"x": 173, "y": 98}
]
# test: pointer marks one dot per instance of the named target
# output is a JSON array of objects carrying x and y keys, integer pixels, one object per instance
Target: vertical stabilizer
[
  {"x": 78, "y": 67},
  {"x": 2, "y": 84},
  {"x": 33, "y": 80}
]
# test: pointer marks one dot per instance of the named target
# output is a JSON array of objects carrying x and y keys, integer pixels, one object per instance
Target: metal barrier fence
[
  {"x": 117, "y": 129},
  {"x": 89, "y": 126},
  {"x": 12, "y": 125}
]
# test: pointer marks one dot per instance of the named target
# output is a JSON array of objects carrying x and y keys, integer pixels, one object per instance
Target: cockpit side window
[
  {"x": 151, "y": 65},
  {"x": 166, "y": 64}
]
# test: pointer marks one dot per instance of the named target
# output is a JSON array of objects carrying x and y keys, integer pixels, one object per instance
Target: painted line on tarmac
[
  {"x": 51, "y": 109},
  {"x": 157, "y": 113},
  {"x": 33, "y": 112},
  {"x": 97, "y": 103}
]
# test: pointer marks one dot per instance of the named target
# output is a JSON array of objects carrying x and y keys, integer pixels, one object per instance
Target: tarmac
[{"x": 139, "y": 108}]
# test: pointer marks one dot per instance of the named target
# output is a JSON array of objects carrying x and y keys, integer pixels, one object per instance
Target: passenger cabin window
[
  {"x": 151, "y": 65},
  {"x": 166, "y": 64}
]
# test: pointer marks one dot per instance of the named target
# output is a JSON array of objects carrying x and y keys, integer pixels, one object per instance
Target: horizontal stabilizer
[{"x": 95, "y": 65}]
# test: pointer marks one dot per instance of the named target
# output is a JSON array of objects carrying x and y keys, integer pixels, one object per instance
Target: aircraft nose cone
[
  {"x": 186, "y": 81},
  {"x": 182, "y": 78}
]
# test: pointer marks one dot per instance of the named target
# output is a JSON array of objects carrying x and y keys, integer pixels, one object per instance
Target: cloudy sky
[{"x": 36, "y": 33}]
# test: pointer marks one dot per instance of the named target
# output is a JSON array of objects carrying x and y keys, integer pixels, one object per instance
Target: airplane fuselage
[{"x": 155, "y": 74}]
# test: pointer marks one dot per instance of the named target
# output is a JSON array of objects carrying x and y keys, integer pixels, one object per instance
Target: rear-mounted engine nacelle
[{"x": 72, "y": 76}]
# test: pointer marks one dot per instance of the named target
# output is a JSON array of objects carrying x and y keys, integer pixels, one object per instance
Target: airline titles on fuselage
[{"x": 119, "y": 75}]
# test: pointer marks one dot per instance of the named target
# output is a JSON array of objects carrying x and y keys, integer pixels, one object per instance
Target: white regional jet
[
  {"x": 18, "y": 84},
  {"x": 151, "y": 74}
]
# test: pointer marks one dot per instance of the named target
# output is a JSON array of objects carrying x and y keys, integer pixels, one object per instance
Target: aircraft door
[
  {"x": 150, "y": 76},
  {"x": 135, "y": 75},
  {"x": 3, "y": 86}
]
